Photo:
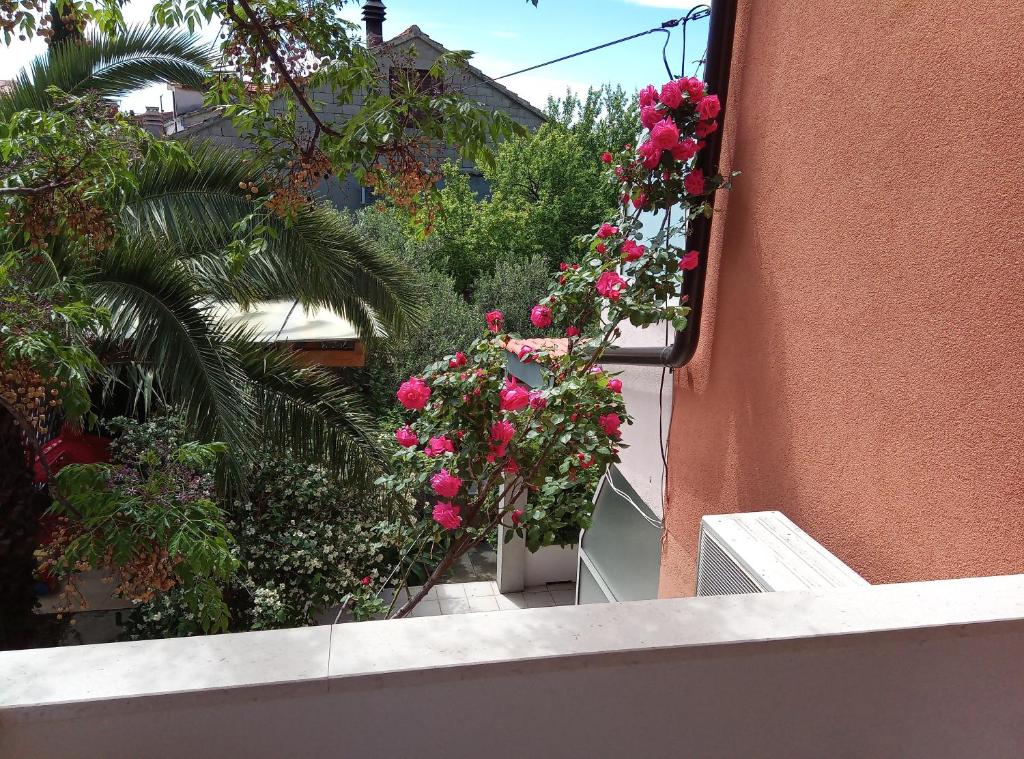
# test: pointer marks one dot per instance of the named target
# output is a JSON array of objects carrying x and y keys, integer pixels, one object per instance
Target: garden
[{"x": 231, "y": 486}]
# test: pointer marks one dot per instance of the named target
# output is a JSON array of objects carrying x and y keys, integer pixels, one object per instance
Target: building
[
  {"x": 192, "y": 120},
  {"x": 859, "y": 369}
]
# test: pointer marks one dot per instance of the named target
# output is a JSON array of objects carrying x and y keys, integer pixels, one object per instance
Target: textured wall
[{"x": 861, "y": 363}]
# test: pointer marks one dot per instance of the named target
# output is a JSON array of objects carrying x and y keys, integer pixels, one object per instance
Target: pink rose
[
  {"x": 694, "y": 182},
  {"x": 572, "y": 331},
  {"x": 665, "y": 134},
  {"x": 690, "y": 260},
  {"x": 708, "y": 107},
  {"x": 694, "y": 88},
  {"x": 606, "y": 157},
  {"x": 615, "y": 385},
  {"x": 406, "y": 437},
  {"x": 671, "y": 95},
  {"x": 517, "y": 517},
  {"x": 685, "y": 150},
  {"x": 447, "y": 515},
  {"x": 650, "y": 116},
  {"x": 632, "y": 251},
  {"x": 610, "y": 423},
  {"x": 610, "y": 285},
  {"x": 438, "y": 445},
  {"x": 648, "y": 96},
  {"x": 445, "y": 484},
  {"x": 607, "y": 230},
  {"x": 540, "y": 317},
  {"x": 495, "y": 319},
  {"x": 514, "y": 396},
  {"x": 650, "y": 155},
  {"x": 414, "y": 394},
  {"x": 365, "y": 581},
  {"x": 458, "y": 361},
  {"x": 524, "y": 354},
  {"x": 704, "y": 128},
  {"x": 503, "y": 431},
  {"x": 537, "y": 400}
]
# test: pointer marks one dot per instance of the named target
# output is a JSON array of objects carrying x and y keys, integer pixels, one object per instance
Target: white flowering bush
[{"x": 303, "y": 544}]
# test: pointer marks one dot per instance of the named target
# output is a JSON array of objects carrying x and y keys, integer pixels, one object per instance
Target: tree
[
  {"x": 547, "y": 189},
  {"x": 475, "y": 441}
]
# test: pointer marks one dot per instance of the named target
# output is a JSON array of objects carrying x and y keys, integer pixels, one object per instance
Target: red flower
[
  {"x": 694, "y": 88},
  {"x": 511, "y": 467},
  {"x": 690, "y": 260},
  {"x": 445, "y": 484},
  {"x": 694, "y": 182},
  {"x": 514, "y": 396},
  {"x": 704, "y": 128},
  {"x": 648, "y": 96},
  {"x": 406, "y": 437},
  {"x": 610, "y": 423},
  {"x": 671, "y": 95},
  {"x": 650, "y": 155},
  {"x": 503, "y": 431},
  {"x": 365, "y": 581},
  {"x": 563, "y": 266},
  {"x": 685, "y": 150},
  {"x": 540, "y": 317},
  {"x": 495, "y": 319},
  {"x": 601, "y": 248},
  {"x": 437, "y": 445},
  {"x": 607, "y": 230},
  {"x": 632, "y": 251},
  {"x": 524, "y": 354},
  {"x": 610, "y": 285},
  {"x": 640, "y": 201},
  {"x": 665, "y": 134},
  {"x": 615, "y": 385},
  {"x": 414, "y": 394},
  {"x": 708, "y": 107},
  {"x": 517, "y": 517},
  {"x": 459, "y": 360},
  {"x": 572, "y": 331},
  {"x": 447, "y": 515},
  {"x": 650, "y": 116},
  {"x": 537, "y": 400},
  {"x": 606, "y": 157}
]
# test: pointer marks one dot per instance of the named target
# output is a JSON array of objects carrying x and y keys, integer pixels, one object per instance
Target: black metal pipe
[{"x": 719, "y": 60}]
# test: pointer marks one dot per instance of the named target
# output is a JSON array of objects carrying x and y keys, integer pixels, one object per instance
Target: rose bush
[{"x": 483, "y": 440}]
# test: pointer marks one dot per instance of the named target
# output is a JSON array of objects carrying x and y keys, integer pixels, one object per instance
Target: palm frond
[
  {"x": 112, "y": 66},
  {"x": 308, "y": 413},
  {"x": 320, "y": 259},
  {"x": 172, "y": 331}
]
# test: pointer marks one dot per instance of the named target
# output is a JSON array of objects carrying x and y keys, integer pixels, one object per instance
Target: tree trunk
[{"x": 20, "y": 509}]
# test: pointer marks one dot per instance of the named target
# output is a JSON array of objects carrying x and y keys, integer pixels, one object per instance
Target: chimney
[{"x": 373, "y": 15}]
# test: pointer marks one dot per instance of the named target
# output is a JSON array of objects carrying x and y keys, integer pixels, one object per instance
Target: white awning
[{"x": 283, "y": 321}]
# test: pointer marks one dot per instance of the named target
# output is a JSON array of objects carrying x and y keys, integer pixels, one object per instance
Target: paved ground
[{"x": 465, "y": 597}]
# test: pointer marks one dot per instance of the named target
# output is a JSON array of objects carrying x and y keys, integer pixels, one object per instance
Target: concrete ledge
[
  {"x": 127, "y": 670},
  {"x": 922, "y": 669}
]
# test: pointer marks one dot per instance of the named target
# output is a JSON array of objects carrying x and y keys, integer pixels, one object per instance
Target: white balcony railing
[{"x": 918, "y": 670}]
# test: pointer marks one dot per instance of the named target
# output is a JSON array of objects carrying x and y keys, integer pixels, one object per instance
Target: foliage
[
  {"x": 547, "y": 188},
  {"x": 304, "y": 544},
  {"x": 513, "y": 287},
  {"x": 150, "y": 514},
  {"x": 473, "y": 443}
]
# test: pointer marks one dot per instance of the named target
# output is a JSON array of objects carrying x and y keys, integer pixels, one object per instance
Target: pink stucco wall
[{"x": 862, "y": 360}]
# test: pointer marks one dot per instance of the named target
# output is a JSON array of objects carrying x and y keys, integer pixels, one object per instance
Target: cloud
[{"x": 681, "y": 5}]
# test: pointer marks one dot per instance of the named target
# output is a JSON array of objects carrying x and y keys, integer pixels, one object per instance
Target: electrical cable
[{"x": 700, "y": 11}]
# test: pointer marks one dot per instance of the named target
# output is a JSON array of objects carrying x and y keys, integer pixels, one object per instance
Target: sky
[{"x": 506, "y": 35}]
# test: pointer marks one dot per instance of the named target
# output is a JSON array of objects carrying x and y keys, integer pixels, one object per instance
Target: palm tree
[{"x": 168, "y": 269}]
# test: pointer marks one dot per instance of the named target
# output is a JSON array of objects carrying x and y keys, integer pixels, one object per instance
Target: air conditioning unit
[{"x": 762, "y": 552}]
